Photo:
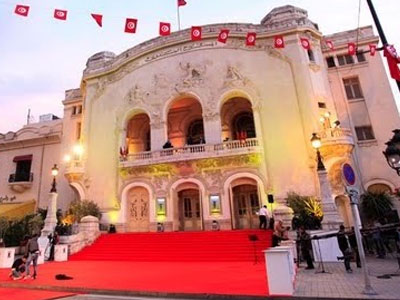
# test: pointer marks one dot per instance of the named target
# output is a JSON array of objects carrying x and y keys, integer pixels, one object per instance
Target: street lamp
[
  {"x": 316, "y": 143},
  {"x": 392, "y": 152},
  {"x": 54, "y": 172}
]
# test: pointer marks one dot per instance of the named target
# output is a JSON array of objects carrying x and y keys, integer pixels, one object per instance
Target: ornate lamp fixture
[
  {"x": 54, "y": 172},
  {"x": 392, "y": 152},
  {"x": 316, "y": 143}
]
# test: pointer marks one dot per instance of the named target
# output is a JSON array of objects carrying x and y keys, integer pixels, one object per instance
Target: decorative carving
[
  {"x": 229, "y": 161},
  {"x": 160, "y": 170},
  {"x": 314, "y": 67},
  {"x": 193, "y": 76},
  {"x": 137, "y": 96},
  {"x": 234, "y": 78}
]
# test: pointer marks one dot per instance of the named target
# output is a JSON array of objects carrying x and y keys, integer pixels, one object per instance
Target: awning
[
  {"x": 22, "y": 157},
  {"x": 17, "y": 210}
]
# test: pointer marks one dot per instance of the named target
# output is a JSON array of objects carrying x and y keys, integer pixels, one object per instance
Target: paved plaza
[{"x": 339, "y": 284}]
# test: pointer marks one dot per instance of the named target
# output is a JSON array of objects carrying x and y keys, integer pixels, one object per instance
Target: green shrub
[
  {"x": 307, "y": 210},
  {"x": 80, "y": 209},
  {"x": 375, "y": 206}
]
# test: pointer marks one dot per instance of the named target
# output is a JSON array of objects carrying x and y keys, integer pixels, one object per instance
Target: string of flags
[{"x": 196, "y": 31}]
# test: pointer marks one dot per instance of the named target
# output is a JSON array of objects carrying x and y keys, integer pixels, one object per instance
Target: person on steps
[{"x": 262, "y": 215}]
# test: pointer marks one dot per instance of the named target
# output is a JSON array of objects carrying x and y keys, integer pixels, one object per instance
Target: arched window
[
  {"x": 244, "y": 122},
  {"x": 195, "y": 134}
]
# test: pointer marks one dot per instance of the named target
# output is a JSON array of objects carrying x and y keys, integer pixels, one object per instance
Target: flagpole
[{"x": 179, "y": 17}]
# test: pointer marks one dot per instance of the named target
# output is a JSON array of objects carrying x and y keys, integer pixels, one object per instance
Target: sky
[{"x": 41, "y": 57}]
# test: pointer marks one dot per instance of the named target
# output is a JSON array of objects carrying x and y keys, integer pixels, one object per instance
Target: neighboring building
[
  {"x": 26, "y": 159},
  {"x": 183, "y": 133}
]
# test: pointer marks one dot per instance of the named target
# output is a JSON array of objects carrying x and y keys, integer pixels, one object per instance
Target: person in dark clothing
[
  {"x": 345, "y": 248},
  {"x": 305, "y": 247},
  {"x": 168, "y": 145},
  {"x": 32, "y": 249},
  {"x": 354, "y": 246},
  {"x": 18, "y": 268},
  {"x": 53, "y": 240}
]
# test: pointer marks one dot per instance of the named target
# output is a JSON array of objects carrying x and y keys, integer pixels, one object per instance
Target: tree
[
  {"x": 307, "y": 210},
  {"x": 80, "y": 209},
  {"x": 376, "y": 206}
]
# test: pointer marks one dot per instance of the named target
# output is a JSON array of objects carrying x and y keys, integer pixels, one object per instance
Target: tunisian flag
[
  {"x": 196, "y": 33},
  {"x": 223, "y": 36},
  {"x": 393, "y": 60},
  {"x": 251, "y": 39},
  {"x": 98, "y": 19},
  {"x": 22, "y": 10},
  {"x": 130, "y": 25},
  {"x": 181, "y": 2},
  {"x": 165, "y": 29},
  {"x": 372, "y": 49},
  {"x": 305, "y": 43},
  {"x": 60, "y": 14},
  {"x": 330, "y": 45},
  {"x": 279, "y": 41},
  {"x": 351, "y": 47}
]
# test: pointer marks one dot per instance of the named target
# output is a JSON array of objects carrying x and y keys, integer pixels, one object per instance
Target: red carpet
[
  {"x": 178, "y": 246},
  {"x": 23, "y": 294},
  {"x": 182, "y": 263}
]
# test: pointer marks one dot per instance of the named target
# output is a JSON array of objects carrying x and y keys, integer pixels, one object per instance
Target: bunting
[
  {"x": 352, "y": 49},
  {"x": 223, "y": 36},
  {"x": 98, "y": 19},
  {"x": 279, "y": 42},
  {"x": 251, "y": 39},
  {"x": 22, "y": 10},
  {"x": 305, "y": 43},
  {"x": 196, "y": 33},
  {"x": 372, "y": 49},
  {"x": 165, "y": 29},
  {"x": 330, "y": 45},
  {"x": 130, "y": 25},
  {"x": 60, "y": 14}
]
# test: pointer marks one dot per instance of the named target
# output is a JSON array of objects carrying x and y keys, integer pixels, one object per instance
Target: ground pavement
[{"x": 340, "y": 284}]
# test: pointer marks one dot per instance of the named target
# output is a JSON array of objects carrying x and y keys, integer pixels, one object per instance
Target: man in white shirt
[{"x": 262, "y": 215}]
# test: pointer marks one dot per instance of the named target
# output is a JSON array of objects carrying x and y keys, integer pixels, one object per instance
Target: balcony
[
  {"x": 19, "y": 182},
  {"x": 74, "y": 170},
  {"x": 192, "y": 152},
  {"x": 336, "y": 141}
]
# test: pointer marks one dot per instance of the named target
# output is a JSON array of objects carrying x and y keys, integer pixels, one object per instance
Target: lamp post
[
  {"x": 392, "y": 152},
  {"x": 331, "y": 218},
  {"x": 54, "y": 172}
]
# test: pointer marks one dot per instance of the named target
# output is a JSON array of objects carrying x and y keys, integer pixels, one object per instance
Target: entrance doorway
[
  {"x": 189, "y": 210},
  {"x": 137, "y": 210},
  {"x": 245, "y": 206}
]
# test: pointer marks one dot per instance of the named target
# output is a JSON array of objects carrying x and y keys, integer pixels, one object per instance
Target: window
[
  {"x": 364, "y": 133},
  {"x": 22, "y": 170},
  {"x": 345, "y": 60},
  {"x": 311, "y": 56},
  {"x": 330, "y": 61},
  {"x": 76, "y": 110},
  {"x": 195, "y": 134},
  {"x": 361, "y": 57},
  {"x": 78, "y": 130},
  {"x": 353, "y": 88},
  {"x": 244, "y": 122}
]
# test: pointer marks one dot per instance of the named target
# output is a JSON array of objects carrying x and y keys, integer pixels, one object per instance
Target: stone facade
[{"x": 201, "y": 97}]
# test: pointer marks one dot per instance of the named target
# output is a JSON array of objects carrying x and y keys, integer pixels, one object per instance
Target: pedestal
[
  {"x": 280, "y": 270},
  {"x": 51, "y": 218},
  {"x": 61, "y": 253},
  {"x": 6, "y": 257},
  {"x": 331, "y": 220}
]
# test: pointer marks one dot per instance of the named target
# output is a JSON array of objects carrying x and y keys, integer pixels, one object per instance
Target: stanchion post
[{"x": 354, "y": 200}]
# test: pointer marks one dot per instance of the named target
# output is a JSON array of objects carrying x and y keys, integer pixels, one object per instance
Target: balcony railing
[
  {"x": 336, "y": 136},
  {"x": 192, "y": 152},
  {"x": 20, "y": 177}
]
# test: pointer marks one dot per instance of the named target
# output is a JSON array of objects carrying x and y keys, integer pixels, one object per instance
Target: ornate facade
[{"x": 185, "y": 133}]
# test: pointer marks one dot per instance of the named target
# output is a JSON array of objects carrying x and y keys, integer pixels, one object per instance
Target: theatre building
[{"x": 185, "y": 133}]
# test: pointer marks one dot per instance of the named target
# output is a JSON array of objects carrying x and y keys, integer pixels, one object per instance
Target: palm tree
[{"x": 375, "y": 206}]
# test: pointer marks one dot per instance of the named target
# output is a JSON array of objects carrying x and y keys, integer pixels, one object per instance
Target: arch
[
  {"x": 380, "y": 181},
  {"x": 138, "y": 133},
  {"x": 181, "y": 96},
  {"x": 243, "y": 174},
  {"x": 124, "y": 197},
  {"x": 131, "y": 113},
  {"x": 79, "y": 189},
  {"x": 238, "y": 93}
]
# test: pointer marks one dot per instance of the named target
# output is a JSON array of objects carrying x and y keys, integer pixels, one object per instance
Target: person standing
[
  {"x": 53, "y": 242},
  {"x": 262, "y": 215},
  {"x": 345, "y": 248},
  {"x": 305, "y": 246},
  {"x": 354, "y": 246},
  {"x": 32, "y": 249}
]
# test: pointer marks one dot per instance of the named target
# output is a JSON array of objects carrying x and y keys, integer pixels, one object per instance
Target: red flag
[
  {"x": 390, "y": 53},
  {"x": 98, "y": 19},
  {"x": 305, "y": 43},
  {"x": 130, "y": 25},
  {"x": 251, "y": 39},
  {"x": 165, "y": 29},
  {"x": 330, "y": 45},
  {"x": 223, "y": 36},
  {"x": 60, "y": 14},
  {"x": 196, "y": 33},
  {"x": 372, "y": 49},
  {"x": 181, "y": 3},
  {"x": 279, "y": 42},
  {"x": 351, "y": 47},
  {"x": 22, "y": 10}
]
